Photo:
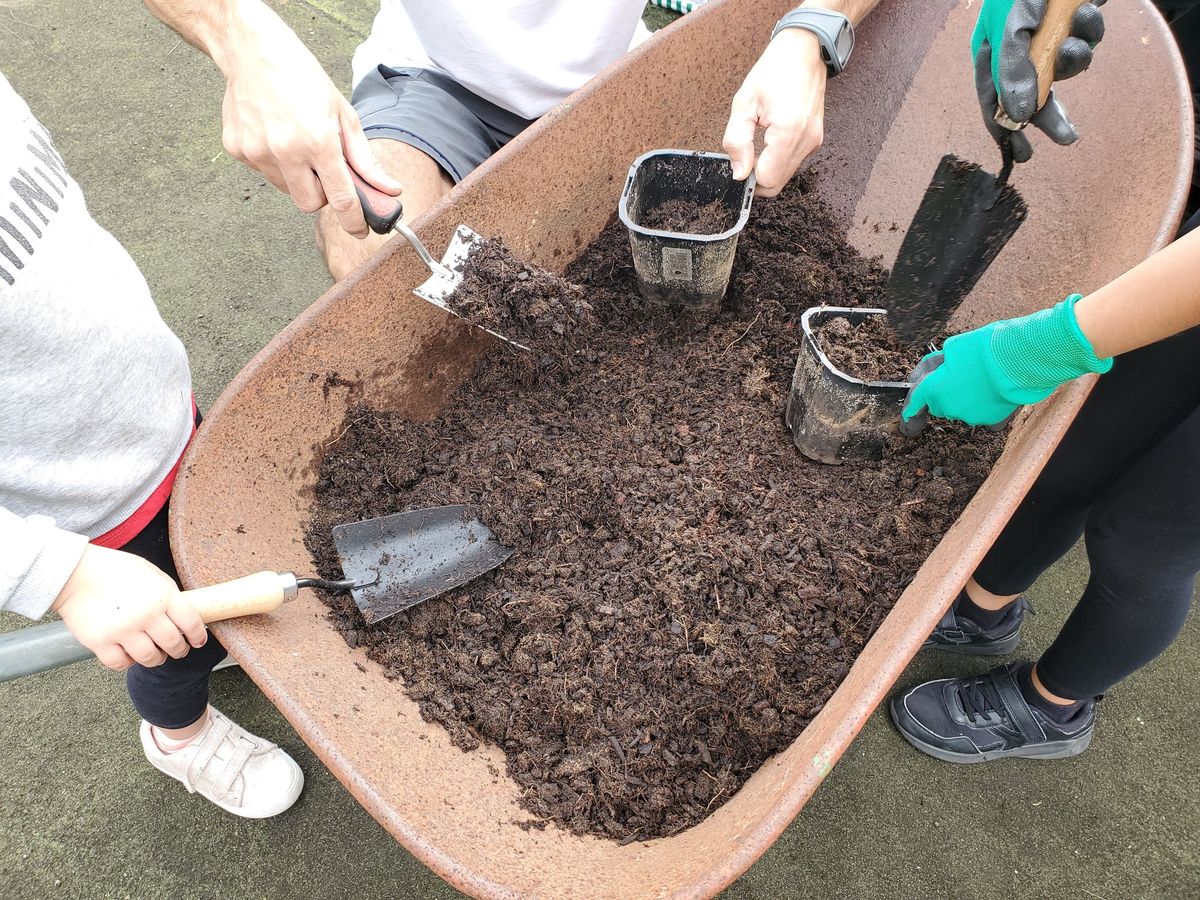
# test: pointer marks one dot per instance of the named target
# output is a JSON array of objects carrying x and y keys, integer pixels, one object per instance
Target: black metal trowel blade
[
  {"x": 409, "y": 557},
  {"x": 965, "y": 219}
]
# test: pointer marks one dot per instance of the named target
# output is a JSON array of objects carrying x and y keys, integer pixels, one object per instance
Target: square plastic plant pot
[
  {"x": 834, "y": 417},
  {"x": 675, "y": 268}
]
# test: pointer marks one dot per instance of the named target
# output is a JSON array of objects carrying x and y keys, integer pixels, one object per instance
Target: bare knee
[
  {"x": 343, "y": 252},
  {"x": 424, "y": 180}
]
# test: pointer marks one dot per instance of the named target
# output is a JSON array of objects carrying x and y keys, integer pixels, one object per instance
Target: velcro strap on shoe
[
  {"x": 241, "y": 754},
  {"x": 949, "y": 620},
  {"x": 1019, "y": 713},
  {"x": 218, "y": 731}
]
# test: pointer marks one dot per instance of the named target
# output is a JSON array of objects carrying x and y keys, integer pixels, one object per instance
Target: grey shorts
[{"x": 435, "y": 114}]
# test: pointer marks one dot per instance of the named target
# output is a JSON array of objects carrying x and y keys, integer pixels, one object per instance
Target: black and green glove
[{"x": 1005, "y": 73}]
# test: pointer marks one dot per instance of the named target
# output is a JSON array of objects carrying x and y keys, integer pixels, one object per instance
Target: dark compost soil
[
  {"x": 866, "y": 349},
  {"x": 522, "y": 302},
  {"x": 687, "y": 590},
  {"x": 689, "y": 217}
]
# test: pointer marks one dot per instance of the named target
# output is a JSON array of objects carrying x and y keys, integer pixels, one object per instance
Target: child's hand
[
  {"x": 126, "y": 610},
  {"x": 985, "y": 374}
]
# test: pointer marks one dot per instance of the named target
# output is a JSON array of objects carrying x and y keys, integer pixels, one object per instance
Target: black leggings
[
  {"x": 175, "y": 694},
  {"x": 1127, "y": 477}
]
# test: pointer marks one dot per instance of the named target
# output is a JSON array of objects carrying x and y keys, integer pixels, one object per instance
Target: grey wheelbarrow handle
[{"x": 38, "y": 648}]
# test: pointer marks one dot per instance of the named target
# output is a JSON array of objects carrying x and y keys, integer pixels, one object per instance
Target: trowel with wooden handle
[
  {"x": 966, "y": 216},
  {"x": 390, "y": 563}
]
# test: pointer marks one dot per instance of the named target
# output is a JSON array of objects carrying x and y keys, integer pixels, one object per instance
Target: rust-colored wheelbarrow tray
[{"x": 1096, "y": 209}]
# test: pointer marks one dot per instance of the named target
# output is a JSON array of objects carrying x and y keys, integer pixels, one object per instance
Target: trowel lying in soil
[
  {"x": 966, "y": 216},
  {"x": 383, "y": 213},
  {"x": 390, "y": 564}
]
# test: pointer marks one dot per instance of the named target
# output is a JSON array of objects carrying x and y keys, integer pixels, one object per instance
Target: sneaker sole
[
  {"x": 1049, "y": 750},
  {"x": 1001, "y": 647}
]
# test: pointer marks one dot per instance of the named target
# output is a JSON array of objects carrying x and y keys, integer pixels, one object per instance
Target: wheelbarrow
[{"x": 906, "y": 100}]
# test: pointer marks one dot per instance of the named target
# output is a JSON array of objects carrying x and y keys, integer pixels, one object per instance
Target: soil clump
[
  {"x": 517, "y": 299},
  {"x": 867, "y": 349},
  {"x": 689, "y": 217},
  {"x": 687, "y": 589}
]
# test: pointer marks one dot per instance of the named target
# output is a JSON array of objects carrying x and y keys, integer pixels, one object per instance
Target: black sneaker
[
  {"x": 957, "y": 633},
  {"x": 972, "y": 720}
]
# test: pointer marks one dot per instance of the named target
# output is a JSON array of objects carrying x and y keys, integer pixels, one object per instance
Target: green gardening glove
[
  {"x": 985, "y": 374},
  {"x": 1004, "y": 71}
]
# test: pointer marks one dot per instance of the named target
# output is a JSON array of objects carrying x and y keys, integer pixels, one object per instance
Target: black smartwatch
[{"x": 832, "y": 29}]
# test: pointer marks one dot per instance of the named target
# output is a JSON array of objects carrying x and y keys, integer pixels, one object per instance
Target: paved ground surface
[{"x": 135, "y": 115}]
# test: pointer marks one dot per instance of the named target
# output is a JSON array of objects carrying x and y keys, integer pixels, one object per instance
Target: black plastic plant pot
[
  {"x": 676, "y": 268},
  {"x": 833, "y": 417}
]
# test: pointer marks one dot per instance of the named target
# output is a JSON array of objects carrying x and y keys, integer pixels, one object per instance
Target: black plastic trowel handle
[{"x": 382, "y": 211}]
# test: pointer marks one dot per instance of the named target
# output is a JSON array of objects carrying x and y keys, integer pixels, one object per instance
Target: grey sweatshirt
[{"x": 95, "y": 392}]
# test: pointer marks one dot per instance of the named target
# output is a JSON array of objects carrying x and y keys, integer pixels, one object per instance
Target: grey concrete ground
[{"x": 135, "y": 114}]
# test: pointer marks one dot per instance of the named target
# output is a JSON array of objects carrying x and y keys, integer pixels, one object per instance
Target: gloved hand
[
  {"x": 982, "y": 376},
  {"x": 1003, "y": 69}
]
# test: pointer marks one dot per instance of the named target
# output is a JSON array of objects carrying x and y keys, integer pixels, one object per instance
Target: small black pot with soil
[
  {"x": 849, "y": 385},
  {"x": 684, "y": 213}
]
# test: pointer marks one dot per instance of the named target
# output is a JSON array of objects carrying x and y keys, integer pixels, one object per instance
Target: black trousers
[
  {"x": 175, "y": 694},
  {"x": 1127, "y": 478}
]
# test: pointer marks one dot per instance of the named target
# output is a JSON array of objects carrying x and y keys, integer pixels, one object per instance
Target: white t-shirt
[
  {"x": 95, "y": 392},
  {"x": 523, "y": 55}
]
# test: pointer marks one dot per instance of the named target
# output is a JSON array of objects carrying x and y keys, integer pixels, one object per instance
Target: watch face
[{"x": 845, "y": 42}]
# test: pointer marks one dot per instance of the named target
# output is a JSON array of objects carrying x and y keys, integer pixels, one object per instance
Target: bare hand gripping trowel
[
  {"x": 390, "y": 563},
  {"x": 383, "y": 213}
]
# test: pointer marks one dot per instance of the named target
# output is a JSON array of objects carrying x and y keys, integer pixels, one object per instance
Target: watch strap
[{"x": 832, "y": 29}]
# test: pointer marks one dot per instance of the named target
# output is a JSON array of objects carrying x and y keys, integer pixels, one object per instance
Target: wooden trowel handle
[
  {"x": 1043, "y": 48},
  {"x": 262, "y": 592},
  {"x": 50, "y": 645}
]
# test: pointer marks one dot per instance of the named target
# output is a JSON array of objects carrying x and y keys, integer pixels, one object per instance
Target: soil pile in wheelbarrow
[
  {"x": 524, "y": 303},
  {"x": 687, "y": 589}
]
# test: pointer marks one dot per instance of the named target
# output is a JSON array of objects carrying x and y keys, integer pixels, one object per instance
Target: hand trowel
[
  {"x": 390, "y": 563},
  {"x": 967, "y": 215},
  {"x": 383, "y": 214}
]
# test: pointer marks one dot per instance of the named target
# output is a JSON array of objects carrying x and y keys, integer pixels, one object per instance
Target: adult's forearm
[
  {"x": 1154, "y": 300},
  {"x": 226, "y": 30},
  {"x": 854, "y": 10},
  {"x": 281, "y": 114}
]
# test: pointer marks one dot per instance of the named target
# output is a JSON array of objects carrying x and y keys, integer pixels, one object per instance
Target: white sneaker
[{"x": 241, "y": 773}]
